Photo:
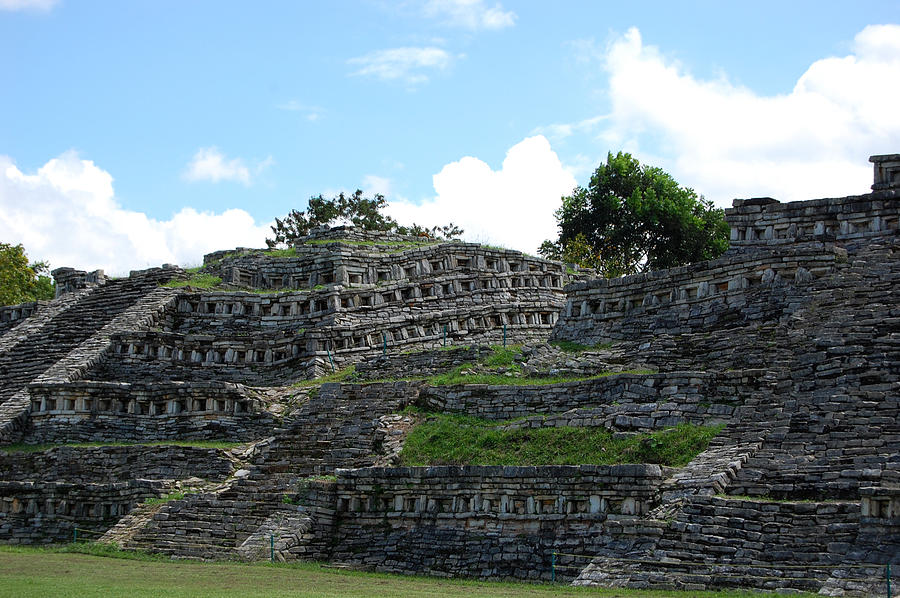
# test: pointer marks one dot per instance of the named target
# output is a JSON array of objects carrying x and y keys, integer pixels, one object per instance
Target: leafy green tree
[
  {"x": 21, "y": 281},
  {"x": 633, "y": 218},
  {"x": 356, "y": 209}
]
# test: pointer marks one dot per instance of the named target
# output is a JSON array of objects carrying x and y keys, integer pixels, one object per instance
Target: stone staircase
[{"x": 68, "y": 338}]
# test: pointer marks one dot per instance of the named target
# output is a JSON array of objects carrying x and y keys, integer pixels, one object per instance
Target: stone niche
[{"x": 887, "y": 171}]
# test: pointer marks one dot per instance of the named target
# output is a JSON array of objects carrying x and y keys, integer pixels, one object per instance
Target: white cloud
[
  {"x": 67, "y": 213},
  {"x": 512, "y": 207},
  {"x": 209, "y": 164},
  {"x": 372, "y": 184},
  {"x": 727, "y": 141},
  {"x": 402, "y": 64},
  {"x": 470, "y": 14},
  {"x": 29, "y": 5},
  {"x": 311, "y": 113}
]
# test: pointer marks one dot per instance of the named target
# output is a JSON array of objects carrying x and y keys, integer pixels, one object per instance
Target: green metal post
[
  {"x": 887, "y": 573},
  {"x": 330, "y": 360},
  {"x": 553, "y": 567},
  {"x": 75, "y": 535},
  {"x": 272, "y": 547},
  {"x": 384, "y": 340},
  {"x": 445, "y": 335},
  {"x": 504, "y": 335}
]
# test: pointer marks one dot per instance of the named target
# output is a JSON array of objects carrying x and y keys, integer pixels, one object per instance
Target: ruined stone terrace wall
[
  {"x": 274, "y": 358},
  {"x": 482, "y": 520},
  {"x": 68, "y": 280},
  {"x": 765, "y": 221},
  {"x": 722, "y": 531},
  {"x": 108, "y": 464},
  {"x": 627, "y": 401},
  {"x": 225, "y": 312},
  {"x": 423, "y": 363},
  {"x": 261, "y": 359},
  {"x": 349, "y": 265},
  {"x": 92, "y": 411},
  {"x": 696, "y": 298},
  {"x": 43, "y": 512},
  {"x": 13, "y": 315}
]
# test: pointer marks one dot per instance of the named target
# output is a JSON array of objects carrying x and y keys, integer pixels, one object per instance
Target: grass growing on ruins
[
  {"x": 174, "y": 495},
  {"x": 447, "y": 439},
  {"x": 35, "y": 448},
  {"x": 198, "y": 280},
  {"x": 86, "y": 571},
  {"x": 289, "y": 252},
  {"x": 573, "y": 347},
  {"x": 336, "y": 376},
  {"x": 458, "y": 376}
]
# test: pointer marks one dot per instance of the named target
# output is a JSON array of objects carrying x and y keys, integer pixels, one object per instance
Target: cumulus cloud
[
  {"x": 727, "y": 141},
  {"x": 28, "y": 5},
  {"x": 402, "y": 64},
  {"x": 67, "y": 213},
  {"x": 512, "y": 206},
  {"x": 470, "y": 14},
  {"x": 210, "y": 164}
]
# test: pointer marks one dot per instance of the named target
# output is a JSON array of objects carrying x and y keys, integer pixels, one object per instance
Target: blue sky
[{"x": 133, "y": 133}]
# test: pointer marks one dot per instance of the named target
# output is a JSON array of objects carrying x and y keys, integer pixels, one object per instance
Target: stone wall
[
  {"x": 353, "y": 265},
  {"x": 13, "y": 315},
  {"x": 109, "y": 464},
  {"x": 43, "y": 512},
  {"x": 92, "y": 411},
  {"x": 623, "y": 401},
  {"x": 712, "y": 542},
  {"x": 68, "y": 280},
  {"x": 767, "y": 222},
  {"x": 482, "y": 520},
  {"x": 731, "y": 291}
]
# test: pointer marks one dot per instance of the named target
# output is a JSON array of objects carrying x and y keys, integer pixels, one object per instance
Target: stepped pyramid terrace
[{"x": 286, "y": 403}]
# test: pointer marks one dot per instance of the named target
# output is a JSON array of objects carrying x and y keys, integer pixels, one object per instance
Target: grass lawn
[{"x": 34, "y": 572}]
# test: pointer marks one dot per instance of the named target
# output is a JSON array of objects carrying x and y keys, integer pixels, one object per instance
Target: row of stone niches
[
  {"x": 150, "y": 407},
  {"x": 861, "y": 226},
  {"x": 490, "y": 504},
  {"x": 297, "y": 304},
  {"x": 14, "y": 313},
  {"x": 704, "y": 290},
  {"x": 240, "y": 350},
  {"x": 272, "y": 273},
  {"x": 66, "y": 508}
]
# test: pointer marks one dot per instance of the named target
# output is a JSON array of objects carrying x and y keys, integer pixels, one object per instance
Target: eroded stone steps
[{"x": 66, "y": 329}]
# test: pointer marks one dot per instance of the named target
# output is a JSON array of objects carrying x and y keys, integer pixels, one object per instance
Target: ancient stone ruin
[{"x": 791, "y": 341}]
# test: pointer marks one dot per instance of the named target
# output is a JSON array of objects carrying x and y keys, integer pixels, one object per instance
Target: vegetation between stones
[{"x": 445, "y": 439}]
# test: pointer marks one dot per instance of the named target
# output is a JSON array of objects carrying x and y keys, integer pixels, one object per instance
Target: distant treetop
[
  {"x": 20, "y": 281},
  {"x": 633, "y": 218},
  {"x": 354, "y": 209}
]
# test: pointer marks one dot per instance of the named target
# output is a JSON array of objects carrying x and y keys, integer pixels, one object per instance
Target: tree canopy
[
  {"x": 21, "y": 281},
  {"x": 354, "y": 209},
  {"x": 633, "y": 218}
]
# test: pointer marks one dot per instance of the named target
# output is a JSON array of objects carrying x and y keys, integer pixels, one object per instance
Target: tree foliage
[
  {"x": 354, "y": 209},
  {"x": 21, "y": 281},
  {"x": 633, "y": 218}
]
